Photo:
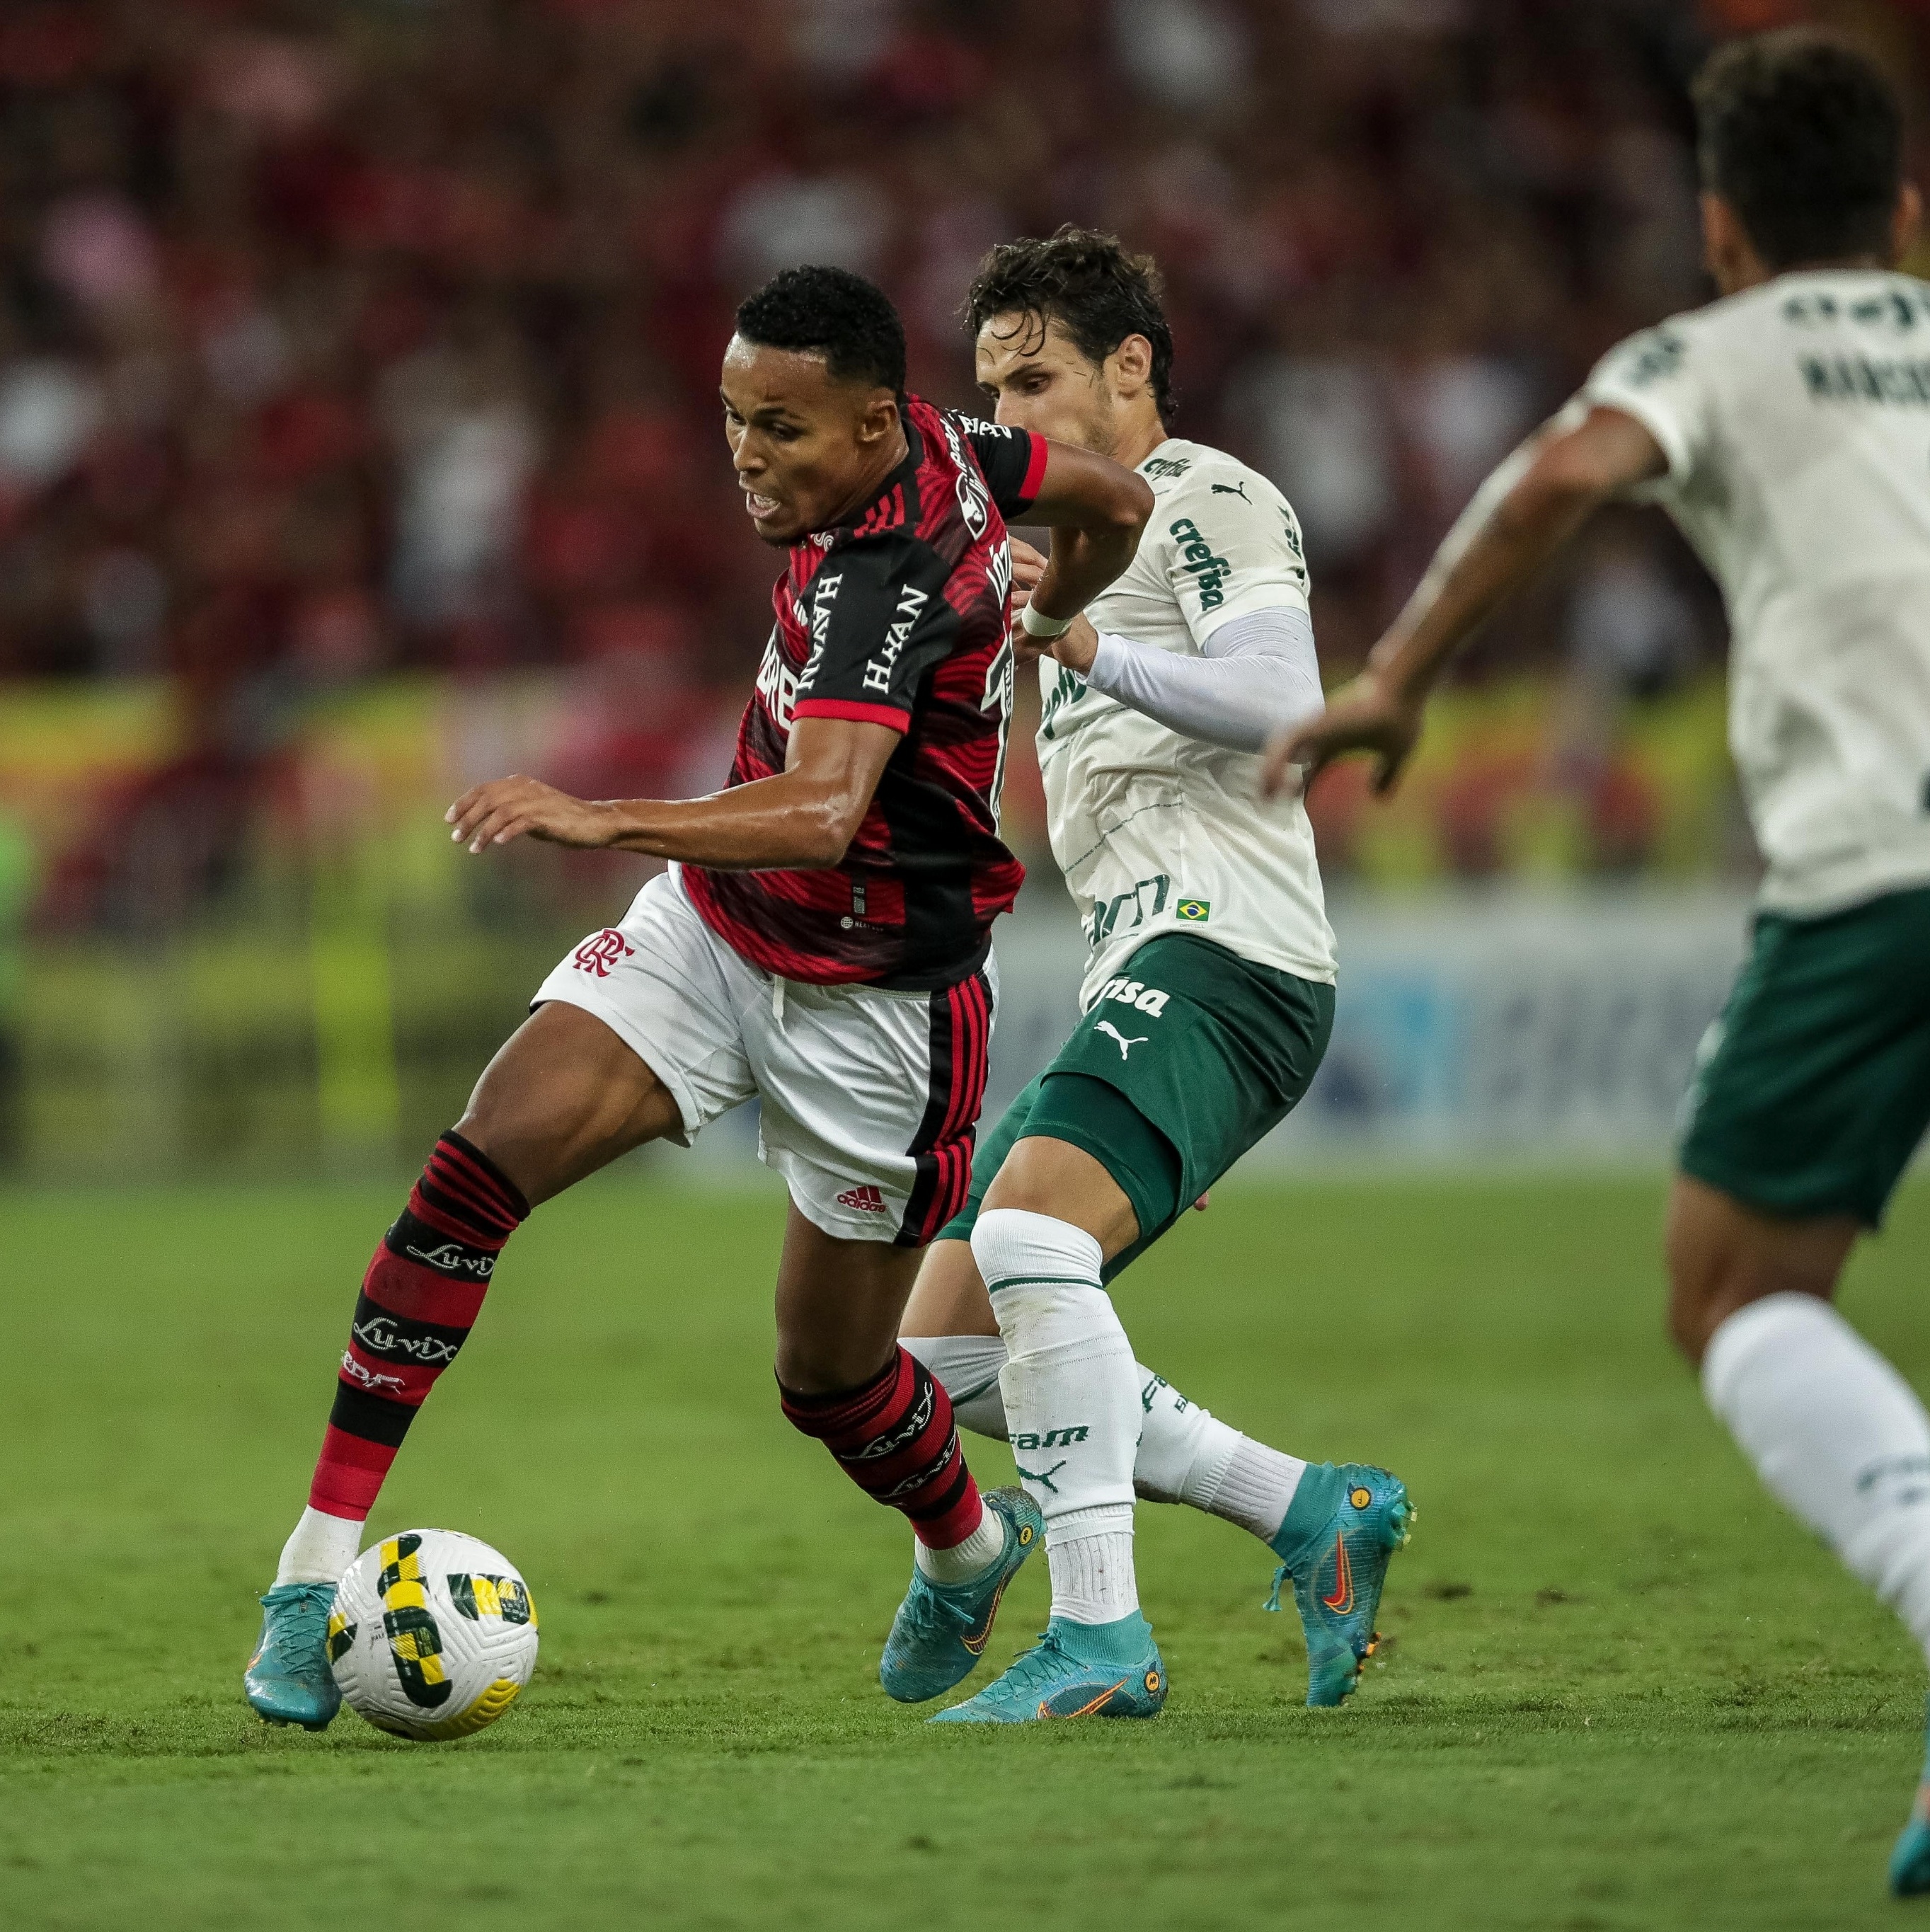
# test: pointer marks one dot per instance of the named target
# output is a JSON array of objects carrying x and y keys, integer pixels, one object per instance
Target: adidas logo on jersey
[{"x": 867, "y": 1199}]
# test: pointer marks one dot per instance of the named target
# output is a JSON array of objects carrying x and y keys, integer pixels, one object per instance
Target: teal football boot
[
  {"x": 1910, "y": 1861},
  {"x": 1078, "y": 1670},
  {"x": 288, "y": 1680},
  {"x": 941, "y": 1629},
  {"x": 1341, "y": 1532}
]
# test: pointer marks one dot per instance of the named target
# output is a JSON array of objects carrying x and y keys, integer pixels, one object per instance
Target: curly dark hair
[
  {"x": 1802, "y": 136},
  {"x": 831, "y": 312},
  {"x": 1095, "y": 287}
]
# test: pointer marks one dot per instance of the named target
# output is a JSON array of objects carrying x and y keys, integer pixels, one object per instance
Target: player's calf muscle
[{"x": 1723, "y": 1255}]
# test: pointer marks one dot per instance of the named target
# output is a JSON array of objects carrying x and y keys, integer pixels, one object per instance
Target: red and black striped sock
[
  {"x": 419, "y": 1301},
  {"x": 894, "y": 1438}
]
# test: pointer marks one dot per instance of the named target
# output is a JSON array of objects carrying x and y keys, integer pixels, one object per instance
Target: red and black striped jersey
[{"x": 901, "y": 616}]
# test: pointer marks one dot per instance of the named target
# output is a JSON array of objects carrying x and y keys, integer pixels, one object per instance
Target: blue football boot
[
  {"x": 1910, "y": 1861},
  {"x": 1344, "y": 1525},
  {"x": 941, "y": 1629},
  {"x": 1078, "y": 1670},
  {"x": 288, "y": 1680}
]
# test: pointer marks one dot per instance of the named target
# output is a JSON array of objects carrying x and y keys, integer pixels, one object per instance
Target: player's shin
[
  {"x": 967, "y": 1367},
  {"x": 1072, "y": 1405},
  {"x": 419, "y": 1299},
  {"x": 1836, "y": 1434},
  {"x": 895, "y": 1437}
]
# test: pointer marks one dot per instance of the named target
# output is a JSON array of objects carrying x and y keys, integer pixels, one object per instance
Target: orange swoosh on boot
[{"x": 1342, "y": 1601}]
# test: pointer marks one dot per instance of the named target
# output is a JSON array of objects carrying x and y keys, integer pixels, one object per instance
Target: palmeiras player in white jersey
[
  {"x": 821, "y": 944},
  {"x": 1207, "y": 1000},
  {"x": 1787, "y": 429}
]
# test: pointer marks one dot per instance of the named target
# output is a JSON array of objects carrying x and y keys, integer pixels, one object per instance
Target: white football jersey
[
  {"x": 1796, "y": 418},
  {"x": 1155, "y": 831}
]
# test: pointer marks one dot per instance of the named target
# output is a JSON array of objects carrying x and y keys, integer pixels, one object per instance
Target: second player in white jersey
[
  {"x": 1794, "y": 417},
  {"x": 1156, "y": 829},
  {"x": 1207, "y": 1005},
  {"x": 1786, "y": 428}
]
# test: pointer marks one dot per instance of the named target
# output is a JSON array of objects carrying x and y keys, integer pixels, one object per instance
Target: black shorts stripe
[{"x": 960, "y": 1037}]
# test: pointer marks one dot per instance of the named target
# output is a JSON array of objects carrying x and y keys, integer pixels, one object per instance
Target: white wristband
[{"x": 1038, "y": 624}]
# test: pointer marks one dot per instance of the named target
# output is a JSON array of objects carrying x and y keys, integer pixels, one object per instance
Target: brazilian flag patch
[{"x": 1196, "y": 912}]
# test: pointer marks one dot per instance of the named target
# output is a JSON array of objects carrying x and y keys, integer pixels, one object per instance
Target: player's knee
[{"x": 1053, "y": 1178}]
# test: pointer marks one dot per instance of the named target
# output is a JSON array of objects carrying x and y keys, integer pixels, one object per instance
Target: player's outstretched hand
[
  {"x": 506, "y": 808},
  {"x": 1364, "y": 716}
]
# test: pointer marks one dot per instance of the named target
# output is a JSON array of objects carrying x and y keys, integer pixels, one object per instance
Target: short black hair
[
  {"x": 1095, "y": 287},
  {"x": 831, "y": 312},
  {"x": 1802, "y": 136}
]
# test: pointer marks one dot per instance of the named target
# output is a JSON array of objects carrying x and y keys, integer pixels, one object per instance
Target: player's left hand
[{"x": 506, "y": 808}]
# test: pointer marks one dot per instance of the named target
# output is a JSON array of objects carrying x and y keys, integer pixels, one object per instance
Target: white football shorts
[{"x": 870, "y": 1099}]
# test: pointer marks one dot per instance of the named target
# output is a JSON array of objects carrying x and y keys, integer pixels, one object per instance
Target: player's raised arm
[{"x": 1525, "y": 512}]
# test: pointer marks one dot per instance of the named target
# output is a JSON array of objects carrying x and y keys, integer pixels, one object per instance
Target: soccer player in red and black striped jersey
[{"x": 821, "y": 941}]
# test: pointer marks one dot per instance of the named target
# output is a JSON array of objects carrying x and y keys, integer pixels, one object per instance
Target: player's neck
[
  {"x": 1139, "y": 435},
  {"x": 1754, "y": 272},
  {"x": 897, "y": 447}
]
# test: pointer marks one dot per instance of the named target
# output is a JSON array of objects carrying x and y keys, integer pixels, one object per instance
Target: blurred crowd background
[{"x": 358, "y": 439}]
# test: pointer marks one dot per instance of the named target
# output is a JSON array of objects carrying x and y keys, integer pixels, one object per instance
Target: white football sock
[
  {"x": 1186, "y": 1455},
  {"x": 1092, "y": 1578},
  {"x": 321, "y": 1548},
  {"x": 1071, "y": 1402},
  {"x": 978, "y": 1552},
  {"x": 1837, "y": 1435}
]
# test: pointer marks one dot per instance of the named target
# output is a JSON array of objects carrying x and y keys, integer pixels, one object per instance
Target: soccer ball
[{"x": 433, "y": 1634}]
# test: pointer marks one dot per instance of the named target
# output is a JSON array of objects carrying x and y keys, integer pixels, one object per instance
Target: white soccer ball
[{"x": 433, "y": 1634}]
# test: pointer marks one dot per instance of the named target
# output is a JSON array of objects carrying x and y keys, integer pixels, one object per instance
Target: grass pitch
[{"x": 1621, "y": 1689}]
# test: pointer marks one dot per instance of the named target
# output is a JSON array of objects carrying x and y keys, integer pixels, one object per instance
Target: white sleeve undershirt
[{"x": 1258, "y": 673}]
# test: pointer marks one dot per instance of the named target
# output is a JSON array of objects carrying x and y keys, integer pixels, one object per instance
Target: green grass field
[{"x": 1621, "y": 1690}]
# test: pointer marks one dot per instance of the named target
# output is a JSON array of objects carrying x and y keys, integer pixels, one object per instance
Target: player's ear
[
  {"x": 1131, "y": 366},
  {"x": 879, "y": 417}
]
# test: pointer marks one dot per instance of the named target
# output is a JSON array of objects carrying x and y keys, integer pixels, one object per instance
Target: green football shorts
[
  {"x": 1186, "y": 1059},
  {"x": 1812, "y": 1089}
]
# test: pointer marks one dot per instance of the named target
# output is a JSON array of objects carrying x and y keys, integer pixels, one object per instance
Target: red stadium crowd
[{"x": 340, "y": 338}]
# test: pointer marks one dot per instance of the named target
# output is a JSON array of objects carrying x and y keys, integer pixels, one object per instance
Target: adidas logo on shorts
[{"x": 867, "y": 1199}]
